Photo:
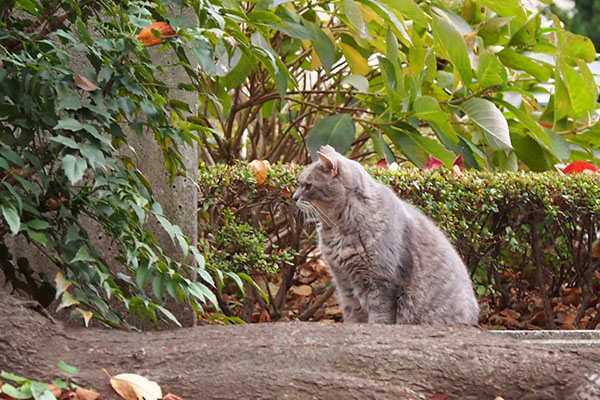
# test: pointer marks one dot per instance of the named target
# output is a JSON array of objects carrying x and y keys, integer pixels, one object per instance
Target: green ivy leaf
[
  {"x": 158, "y": 287},
  {"x": 74, "y": 167},
  {"x": 66, "y": 141},
  {"x": 82, "y": 255},
  {"x": 69, "y": 124},
  {"x": 12, "y": 218}
]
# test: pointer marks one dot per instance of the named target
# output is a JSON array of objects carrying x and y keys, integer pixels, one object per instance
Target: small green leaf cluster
[
  {"x": 251, "y": 229},
  {"x": 235, "y": 236},
  {"x": 236, "y": 246}
]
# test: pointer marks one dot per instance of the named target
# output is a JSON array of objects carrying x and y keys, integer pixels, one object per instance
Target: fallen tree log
[{"x": 298, "y": 360}]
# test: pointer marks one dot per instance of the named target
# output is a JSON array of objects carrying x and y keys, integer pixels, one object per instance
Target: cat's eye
[{"x": 307, "y": 186}]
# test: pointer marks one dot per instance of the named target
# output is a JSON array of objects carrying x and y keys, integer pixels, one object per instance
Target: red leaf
[
  {"x": 545, "y": 124},
  {"x": 433, "y": 163},
  {"x": 459, "y": 162},
  {"x": 580, "y": 166},
  {"x": 382, "y": 164},
  {"x": 148, "y": 37}
]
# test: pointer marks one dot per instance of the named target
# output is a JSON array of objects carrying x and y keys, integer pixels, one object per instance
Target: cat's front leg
[
  {"x": 381, "y": 304},
  {"x": 351, "y": 307},
  {"x": 353, "y": 312}
]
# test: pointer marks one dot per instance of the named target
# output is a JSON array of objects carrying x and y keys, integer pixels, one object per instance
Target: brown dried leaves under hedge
[{"x": 529, "y": 241}]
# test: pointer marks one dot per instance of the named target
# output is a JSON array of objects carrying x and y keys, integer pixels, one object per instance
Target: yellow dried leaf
[
  {"x": 61, "y": 284},
  {"x": 84, "y": 83},
  {"x": 135, "y": 387},
  {"x": 260, "y": 168},
  {"x": 87, "y": 315}
]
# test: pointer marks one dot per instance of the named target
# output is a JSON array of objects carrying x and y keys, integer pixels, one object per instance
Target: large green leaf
[
  {"x": 406, "y": 144},
  {"x": 427, "y": 108},
  {"x": 507, "y": 8},
  {"x": 335, "y": 130},
  {"x": 530, "y": 152},
  {"x": 323, "y": 46},
  {"x": 520, "y": 62},
  {"x": 454, "y": 48},
  {"x": 391, "y": 19},
  {"x": 355, "y": 18},
  {"x": 409, "y": 9},
  {"x": 490, "y": 121},
  {"x": 581, "y": 97},
  {"x": 490, "y": 72},
  {"x": 546, "y": 138}
]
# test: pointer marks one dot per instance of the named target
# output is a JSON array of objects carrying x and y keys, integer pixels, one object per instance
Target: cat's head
[{"x": 329, "y": 182}]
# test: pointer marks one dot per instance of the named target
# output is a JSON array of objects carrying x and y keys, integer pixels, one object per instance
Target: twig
[
  {"x": 540, "y": 276},
  {"x": 317, "y": 304},
  {"x": 43, "y": 17}
]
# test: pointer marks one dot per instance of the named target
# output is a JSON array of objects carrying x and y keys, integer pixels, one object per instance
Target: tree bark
[{"x": 298, "y": 360}]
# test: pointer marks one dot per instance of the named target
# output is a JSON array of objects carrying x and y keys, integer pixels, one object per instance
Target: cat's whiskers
[{"x": 324, "y": 217}]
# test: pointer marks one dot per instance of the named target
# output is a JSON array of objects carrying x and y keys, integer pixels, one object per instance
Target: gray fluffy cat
[{"x": 390, "y": 263}]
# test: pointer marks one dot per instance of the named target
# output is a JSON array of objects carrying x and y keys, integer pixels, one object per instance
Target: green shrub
[
  {"x": 540, "y": 227},
  {"x": 251, "y": 229}
]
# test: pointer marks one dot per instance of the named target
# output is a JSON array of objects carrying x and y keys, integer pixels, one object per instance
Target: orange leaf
[
  {"x": 156, "y": 33},
  {"x": 260, "y": 169}
]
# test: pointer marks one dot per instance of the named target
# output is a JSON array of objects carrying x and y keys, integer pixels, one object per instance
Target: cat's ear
[
  {"x": 329, "y": 162},
  {"x": 327, "y": 149}
]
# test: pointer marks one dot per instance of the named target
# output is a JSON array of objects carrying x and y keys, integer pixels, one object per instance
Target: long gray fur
[{"x": 390, "y": 263}]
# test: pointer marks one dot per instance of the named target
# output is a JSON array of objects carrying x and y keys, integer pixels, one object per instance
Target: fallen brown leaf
[
  {"x": 302, "y": 290},
  {"x": 86, "y": 394},
  {"x": 135, "y": 387},
  {"x": 83, "y": 82}
]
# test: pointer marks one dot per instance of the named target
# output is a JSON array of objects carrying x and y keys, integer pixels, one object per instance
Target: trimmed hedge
[{"x": 516, "y": 232}]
